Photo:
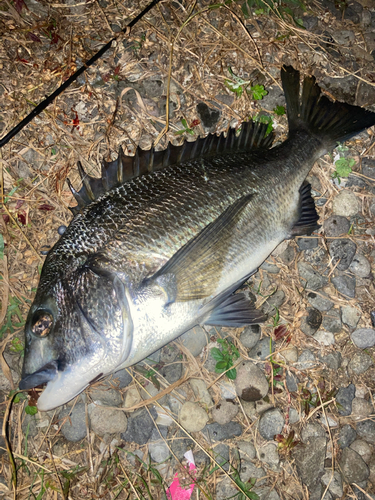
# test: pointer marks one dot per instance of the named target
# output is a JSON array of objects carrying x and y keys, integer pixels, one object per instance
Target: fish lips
[{"x": 45, "y": 374}]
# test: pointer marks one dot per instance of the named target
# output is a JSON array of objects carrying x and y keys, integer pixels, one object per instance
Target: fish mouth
[{"x": 45, "y": 374}]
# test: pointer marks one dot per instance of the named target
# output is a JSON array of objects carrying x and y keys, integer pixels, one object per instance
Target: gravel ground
[{"x": 297, "y": 422}]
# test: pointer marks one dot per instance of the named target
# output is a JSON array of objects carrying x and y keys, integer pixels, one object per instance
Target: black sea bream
[{"x": 163, "y": 240}]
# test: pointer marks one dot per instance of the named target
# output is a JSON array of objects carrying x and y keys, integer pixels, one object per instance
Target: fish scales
[{"x": 166, "y": 250}]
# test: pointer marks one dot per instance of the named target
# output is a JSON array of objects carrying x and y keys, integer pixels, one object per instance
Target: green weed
[
  {"x": 225, "y": 358},
  {"x": 343, "y": 168},
  {"x": 10, "y": 323},
  {"x": 238, "y": 85},
  {"x": 281, "y": 8},
  {"x": 186, "y": 128},
  {"x": 286, "y": 444}
]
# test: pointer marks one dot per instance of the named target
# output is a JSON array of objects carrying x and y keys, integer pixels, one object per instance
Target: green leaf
[
  {"x": 221, "y": 365},
  {"x": 258, "y": 92},
  {"x": 216, "y": 354},
  {"x": 31, "y": 410},
  {"x": 343, "y": 167},
  {"x": 184, "y": 123},
  {"x": 280, "y": 110},
  {"x": 232, "y": 374}
]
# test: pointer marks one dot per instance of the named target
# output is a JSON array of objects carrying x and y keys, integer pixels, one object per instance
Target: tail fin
[{"x": 329, "y": 121}]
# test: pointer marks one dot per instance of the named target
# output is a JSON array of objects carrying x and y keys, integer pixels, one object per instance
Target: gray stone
[
  {"x": 291, "y": 382},
  {"x": 363, "y": 449},
  {"x": 225, "y": 489},
  {"x": 344, "y": 399},
  {"x": 250, "y": 336},
  {"x": 270, "y": 268},
  {"x": 342, "y": 252},
  {"x": 171, "y": 372},
  {"x": 140, "y": 426},
  {"x": 251, "y": 383},
  {"x": 361, "y": 408},
  {"x": 310, "y": 278},
  {"x": 318, "y": 258},
  {"x": 201, "y": 393},
  {"x": 106, "y": 420},
  {"x": 360, "y": 363},
  {"x": 335, "y": 483},
  {"x": 311, "y": 322},
  {"x": 306, "y": 360},
  {"x": 345, "y": 284},
  {"x": 360, "y": 266},
  {"x": 366, "y": 431},
  {"x": 249, "y": 471},
  {"x": 346, "y": 204},
  {"x": 294, "y": 416},
  {"x": 269, "y": 455},
  {"x": 262, "y": 350},
  {"x": 310, "y": 466},
  {"x": 347, "y": 436},
  {"x": 122, "y": 378},
  {"x": 287, "y": 256},
  {"x": 363, "y": 337},
  {"x": 74, "y": 429},
  {"x": 336, "y": 225},
  {"x": 157, "y": 448},
  {"x": 224, "y": 412},
  {"x": 272, "y": 303},
  {"x": 350, "y": 316},
  {"x": 320, "y": 301},
  {"x": 312, "y": 430},
  {"x": 333, "y": 360},
  {"x": 107, "y": 397},
  {"x": 353, "y": 466},
  {"x": 332, "y": 321},
  {"x": 180, "y": 443},
  {"x": 343, "y": 37},
  {"x": 324, "y": 338},
  {"x": 194, "y": 340},
  {"x": 271, "y": 423},
  {"x": 169, "y": 353},
  {"x": 247, "y": 450},
  {"x": 368, "y": 167},
  {"x": 261, "y": 406},
  {"x": 266, "y": 494},
  {"x": 306, "y": 243},
  {"x": 216, "y": 432},
  {"x": 221, "y": 455},
  {"x": 193, "y": 417}
]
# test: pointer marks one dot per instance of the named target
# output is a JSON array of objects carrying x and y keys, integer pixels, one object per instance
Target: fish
[{"x": 163, "y": 240}]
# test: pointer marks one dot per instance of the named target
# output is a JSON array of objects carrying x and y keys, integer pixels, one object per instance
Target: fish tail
[{"x": 330, "y": 122}]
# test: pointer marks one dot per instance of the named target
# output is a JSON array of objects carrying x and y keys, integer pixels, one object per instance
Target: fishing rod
[{"x": 42, "y": 106}]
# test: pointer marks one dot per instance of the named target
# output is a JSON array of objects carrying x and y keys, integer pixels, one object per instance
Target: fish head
[{"x": 78, "y": 329}]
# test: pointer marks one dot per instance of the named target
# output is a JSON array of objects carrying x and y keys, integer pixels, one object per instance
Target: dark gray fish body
[{"x": 165, "y": 251}]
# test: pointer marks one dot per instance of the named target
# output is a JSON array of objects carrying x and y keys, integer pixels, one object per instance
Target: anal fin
[
  {"x": 308, "y": 216},
  {"x": 236, "y": 311}
]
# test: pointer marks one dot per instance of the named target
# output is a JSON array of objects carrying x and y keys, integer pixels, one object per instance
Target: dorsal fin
[{"x": 124, "y": 168}]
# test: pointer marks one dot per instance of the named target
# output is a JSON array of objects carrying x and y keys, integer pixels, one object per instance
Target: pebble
[
  {"x": 350, "y": 316},
  {"x": 291, "y": 382},
  {"x": 343, "y": 252},
  {"x": 336, "y": 225},
  {"x": 360, "y": 363},
  {"x": 363, "y": 449},
  {"x": 227, "y": 389},
  {"x": 360, "y": 266},
  {"x": 268, "y": 454},
  {"x": 335, "y": 483},
  {"x": 140, "y": 426},
  {"x": 306, "y": 360},
  {"x": 251, "y": 383},
  {"x": 195, "y": 340},
  {"x": 346, "y": 204},
  {"x": 157, "y": 448},
  {"x": 333, "y": 360},
  {"x": 216, "y": 432},
  {"x": 221, "y": 455},
  {"x": 332, "y": 321},
  {"x": 324, "y": 338},
  {"x": 366, "y": 430},
  {"x": 224, "y": 412},
  {"x": 272, "y": 303},
  {"x": 74, "y": 428},
  {"x": 294, "y": 416},
  {"x": 345, "y": 284},
  {"x": 363, "y": 337},
  {"x": 247, "y": 450},
  {"x": 309, "y": 277},
  {"x": 225, "y": 489},
  {"x": 201, "y": 393},
  {"x": 106, "y": 420},
  {"x": 249, "y": 471},
  {"x": 344, "y": 398},
  {"x": 312, "y": 430},
  {"x": 261, "y": 406},
  {"x": 193, "y": 417},
  {"x": 262, "y": 350},
  {"x": 310, "y": 466},
  {"x": 171, "y": 372},
  {"x": 122, "y": 378},
  {"x": 353, "y": 467},
  {"x": 270, "y": 268},
  {"x": 164, "y": 415},
  {"x": 287, "y": 256},
  {"x": 307, "y": 243},
  {"x": 312, "y": 321},
  {"x": 250, "y": 336},
  {"x": 132, "y": 397},
  {"x": 180, "y": 444},
  {"x": 107, "y": 397},
  {"x": 290, "y": 354},
  {"x": 346, "y": 436},
  {"x": 361, "y": 408},
  {"x": 271, "y": 423},
  {"x": 317, "y": 258},
  {"x": 320, "y": 301}
]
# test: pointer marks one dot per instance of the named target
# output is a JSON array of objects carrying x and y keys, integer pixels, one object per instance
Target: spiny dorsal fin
[{"x": 124, "y": 168}]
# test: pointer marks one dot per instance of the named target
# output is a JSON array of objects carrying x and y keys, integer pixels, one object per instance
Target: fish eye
[{"x": 42, "y": 323}]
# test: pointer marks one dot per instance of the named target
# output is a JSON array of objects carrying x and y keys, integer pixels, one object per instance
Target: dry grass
[{"x": 41, "y": 47}]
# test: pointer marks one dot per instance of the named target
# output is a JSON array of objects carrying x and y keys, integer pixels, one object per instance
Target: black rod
[{"x": 42, "y": 106}]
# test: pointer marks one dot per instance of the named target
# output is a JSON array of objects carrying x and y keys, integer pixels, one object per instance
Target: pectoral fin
[
  {"x": 198, "y": 266},
  {"x": 308, "y": 217}
]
